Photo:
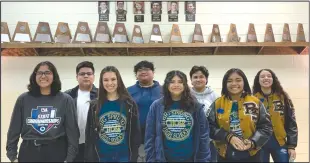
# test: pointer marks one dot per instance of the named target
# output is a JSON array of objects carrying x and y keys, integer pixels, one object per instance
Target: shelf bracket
[
  {"x": 82, "y": 51},
  {"x": 36, "y": 51},
  {"x": 215, "y": 50},
  {"x": 260, "y": 50}
]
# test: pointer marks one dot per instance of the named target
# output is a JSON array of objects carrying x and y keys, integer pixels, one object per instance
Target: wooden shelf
[{"x": 152, "y": 49}]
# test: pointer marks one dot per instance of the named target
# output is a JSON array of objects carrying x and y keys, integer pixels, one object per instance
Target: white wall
[
  {"x": 208, "y": 13},
  {"x": 293, "y": 71}
]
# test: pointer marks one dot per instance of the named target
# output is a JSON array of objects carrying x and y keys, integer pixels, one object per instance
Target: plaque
[
  {"x": 156, "y": 34},
  {"x": 139, "y": 18},
  {"x": 156, "y": 17},
  {"x": 190, "y": 17},
  {"x": 22, "y": 33},
  {"x": 175, "y": 36},
  {"x": 63, "y": 34},
  {"x": 197, "y": 36},
  {"x": 216, "y": 35},
  {"x": 102, "y": 33},
  {"x": 251, "y": 37},
  {"x": 5, "y": 33},
  {"x": 233, "y": 35},
  {"x": 286, "y": 36},
  {"x": 103, "y": 10},
  {"x": 173, "y": 18},
  {"x": 119, "y": 33},
  {"x": 121, "y": 11},
  {"x": 300, "y": 33},
  {"x": 137, "y": 35},
  {"x": 43, "y": 33},
  {"x": 269, "y": 37},
  {"x": 82, "y": 33}
]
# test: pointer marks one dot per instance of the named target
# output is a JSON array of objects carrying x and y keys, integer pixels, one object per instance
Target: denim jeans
[{"x": 278, "y": 153}]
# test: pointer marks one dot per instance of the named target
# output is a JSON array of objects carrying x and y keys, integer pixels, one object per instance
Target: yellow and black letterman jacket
[
  {"x": 282, "y": 114},
  {"x": 254, "y": 122}
]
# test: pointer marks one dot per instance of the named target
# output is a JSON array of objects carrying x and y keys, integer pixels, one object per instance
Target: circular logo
[
  {"x": 22, "y": 28},
  {"x": 43, "y": 29},
  {"x": 177, "y": 125},
  {"x": 2, "y": 28},
  {"x": 137, "y": 30},
  {"x": 216, "y": 30},
  {"x": 83, "y": 28},
  {"x": 42, "y": 128},
  {"x": 63, "y": 29},
  {"x": 112, "y": 128},
  {"x": 101, "y": 28},
  {"x": 175, "y": 30},
  {"x": 120, "y": 29},
  {"x": 155, "y": 30}
]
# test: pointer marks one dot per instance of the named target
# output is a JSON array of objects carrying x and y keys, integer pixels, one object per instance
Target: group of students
[{"x": 147, "y": 122}]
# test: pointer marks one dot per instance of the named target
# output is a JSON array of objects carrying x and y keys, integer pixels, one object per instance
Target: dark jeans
[
  {"x": 80, "y": 156},
  {"x": 213, "y": 152},
  {"x": 233, "y": 155},
  {"x": 278, "y": 153},
  {"x": 47, "y": 151}
]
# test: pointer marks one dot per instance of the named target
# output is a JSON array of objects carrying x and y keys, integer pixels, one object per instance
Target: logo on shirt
[
  {"x": 250, "y": 108},
  {"x": 113, "y": 126},
  {"x": 43, "y": 118},
  {"x": 278, "y": 107},
  {"x": 177, "y": 125}
]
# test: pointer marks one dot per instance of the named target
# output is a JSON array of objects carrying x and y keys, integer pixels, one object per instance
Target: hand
[
  {"x": 16, "y": 160},
  {"x": 292, "y": 154},
  {"x": 237, "y": 143},
  {"x": 248, "y": 144}
]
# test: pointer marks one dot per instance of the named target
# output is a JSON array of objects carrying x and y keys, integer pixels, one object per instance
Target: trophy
[
  {"x": 102, "y": 33},
  {"x": 63, "y": 34},
  {"x": 5, "y": 33},
  {"x": 175, "y": 36},
  {"x": 119, "y": 33},
  {"x": 269, "y": 37},
  {"x": 82, "y": 33},
  {"x": 216, "y": 35},
  {"x": 137, "y": 35},
  {"x": 43, "y": 33},
  {"x": 286, "y": 36},
  {"x": 156, "y": 35},
  {"x": 233, "y": 35},
  {"x": 251, "y": 36},
  {"x": 22, "y": 33},
  {"x": 300, "y": 33},
  {"x": 197, "y": 36}
]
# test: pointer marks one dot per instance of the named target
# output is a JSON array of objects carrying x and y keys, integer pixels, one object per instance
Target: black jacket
[
  {"x": 74, "y": 93},
  {"x": 92, "y": 132}
]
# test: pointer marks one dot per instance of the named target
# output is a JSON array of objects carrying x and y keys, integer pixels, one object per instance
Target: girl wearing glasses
[{"x": 45, "y": 119}]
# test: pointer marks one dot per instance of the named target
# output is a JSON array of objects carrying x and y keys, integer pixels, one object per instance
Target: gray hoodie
[{"x": 207, "y": 97}]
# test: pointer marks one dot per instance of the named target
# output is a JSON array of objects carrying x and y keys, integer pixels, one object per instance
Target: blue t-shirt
[
  {"x": 234, "y": 120},
  {"x": 113, "y": 144},
  {"x": 178, "y": 134}
]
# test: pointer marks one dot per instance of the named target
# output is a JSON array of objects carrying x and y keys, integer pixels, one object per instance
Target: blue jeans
[
  {"x": 213, "y": 152},
  {"x": 278, "y": 153}
]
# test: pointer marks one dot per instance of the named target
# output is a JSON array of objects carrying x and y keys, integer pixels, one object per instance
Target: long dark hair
[
  {"x": 121, "y": 91},
  {"x": 275, "y": 87},
  {"x": 246, "y": 87},
  {"x": 187, "y": 100},
  {"x": 34, "y": 88}
]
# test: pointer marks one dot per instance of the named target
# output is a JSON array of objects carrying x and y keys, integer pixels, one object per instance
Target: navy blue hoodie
[{"x": 144, "y": 97}]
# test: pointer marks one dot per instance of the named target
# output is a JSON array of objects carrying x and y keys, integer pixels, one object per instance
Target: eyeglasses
[
  {"x": 85, "y": 73},
  {"x": 46, "y": 73}
]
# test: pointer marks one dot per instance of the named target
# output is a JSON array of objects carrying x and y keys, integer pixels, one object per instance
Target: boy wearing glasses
[
  {"x": 144, "y": 92},
  {"x": 82, "y": 94}
]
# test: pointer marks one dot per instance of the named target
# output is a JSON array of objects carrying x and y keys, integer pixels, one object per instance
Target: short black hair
[
  {"x": 145, "y": 64},
  {"x": 195, "y": 69},
  {"x": 34, "y": 88},
  {"x": 85, "y": 64}
]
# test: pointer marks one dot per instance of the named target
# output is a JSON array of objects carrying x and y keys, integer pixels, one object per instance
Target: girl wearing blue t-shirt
[
  {"x": 112, "y": 130},
  {"x": 176, "y": 126}
]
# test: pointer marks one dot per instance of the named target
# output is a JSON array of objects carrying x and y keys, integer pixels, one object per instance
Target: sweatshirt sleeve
[
  {"x": 14, "y": 130},
  {"x": 291, "y": 125},
  {"x": 72, "y": 130},
  {"x": 150, "y": 134}
]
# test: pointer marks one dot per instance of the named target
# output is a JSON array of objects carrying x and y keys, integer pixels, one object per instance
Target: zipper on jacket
[
  {"x": 130, "y": 133},
  {"x": 97, "y": 152}
]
